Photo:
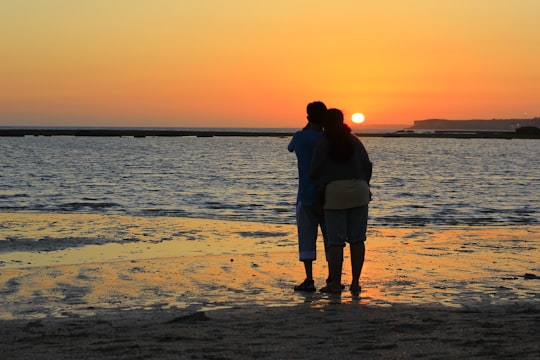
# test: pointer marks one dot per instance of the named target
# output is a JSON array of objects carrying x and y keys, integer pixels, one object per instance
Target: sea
[
  {"x": 197, "y": 223},
  {"x": 417, "y": 182}
]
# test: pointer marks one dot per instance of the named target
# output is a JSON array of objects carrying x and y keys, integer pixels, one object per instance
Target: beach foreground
[
  {"x": 336, "y": 331},
  {"x": 95, "y": 286}
]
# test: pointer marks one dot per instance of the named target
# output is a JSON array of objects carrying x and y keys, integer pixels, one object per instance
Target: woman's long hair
[{"x": 340, "y": 146}]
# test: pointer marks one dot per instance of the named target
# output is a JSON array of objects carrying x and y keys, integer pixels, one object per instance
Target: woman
[{"x": 342, "y": 169}]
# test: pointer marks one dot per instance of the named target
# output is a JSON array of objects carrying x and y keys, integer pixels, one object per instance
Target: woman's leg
[
  {"x": 336, "y": 227},
  {"x": 357, "y": 229},
  {"x": 358, "y": 251},
  {"x": 335, "y": 265}
]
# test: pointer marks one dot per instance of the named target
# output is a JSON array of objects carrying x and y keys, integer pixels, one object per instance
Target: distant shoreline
[
  {"x": 475, "y": 125},
  {"x": 134, "y": 132}
]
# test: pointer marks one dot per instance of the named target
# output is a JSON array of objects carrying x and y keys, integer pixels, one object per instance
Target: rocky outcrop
[{"x": 486, "y": 125}]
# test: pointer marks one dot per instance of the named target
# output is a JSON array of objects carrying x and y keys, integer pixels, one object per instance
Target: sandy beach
[
  {"x": 119, "y": 287},
  {"x": 335, "y": 331}
]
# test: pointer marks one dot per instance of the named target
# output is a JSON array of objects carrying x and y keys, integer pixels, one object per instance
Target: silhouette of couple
[{"x": 334, "y": 172}]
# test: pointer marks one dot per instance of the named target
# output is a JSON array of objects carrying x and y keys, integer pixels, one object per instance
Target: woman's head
[
  {"x": 334, "y": 122},
  {"x": 334, "y": 117},
  {"x": 340, "y": 147}
]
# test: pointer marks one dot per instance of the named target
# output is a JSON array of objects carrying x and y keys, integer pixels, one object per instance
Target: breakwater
[{"x": 134, "y": 132}]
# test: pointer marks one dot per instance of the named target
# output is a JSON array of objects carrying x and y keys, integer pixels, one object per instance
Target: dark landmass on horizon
[
  {"x": 476, "y": 124},
  {"x": 431, "y": 128}
]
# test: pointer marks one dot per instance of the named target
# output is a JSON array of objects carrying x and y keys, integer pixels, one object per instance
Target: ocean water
[
  {"x": 452, "y": 222},
  {"x": 416, "y": 182}
]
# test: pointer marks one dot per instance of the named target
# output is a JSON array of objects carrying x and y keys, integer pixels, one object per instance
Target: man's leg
[
  {"x": 308, "y": 284},
  {"x": 307, "y": 235},
  {"x": 308, "y": 266}
]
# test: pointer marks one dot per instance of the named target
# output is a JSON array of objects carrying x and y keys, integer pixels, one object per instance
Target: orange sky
[{"x": 239, "y": 63}]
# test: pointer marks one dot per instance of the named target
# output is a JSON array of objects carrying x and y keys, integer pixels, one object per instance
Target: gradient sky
[{"x": 240, "y": 63}]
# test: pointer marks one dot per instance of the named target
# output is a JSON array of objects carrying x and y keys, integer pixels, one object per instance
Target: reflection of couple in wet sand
[{"x": 333, "y": 193}]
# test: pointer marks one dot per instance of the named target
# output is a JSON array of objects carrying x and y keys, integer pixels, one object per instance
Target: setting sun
[{"x": 358, "y": 118}]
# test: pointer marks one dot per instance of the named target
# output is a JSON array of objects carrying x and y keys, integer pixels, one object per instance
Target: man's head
[{"x": 316, "y": 112}]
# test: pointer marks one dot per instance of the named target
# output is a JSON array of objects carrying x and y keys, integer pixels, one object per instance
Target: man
[{"x": 309, "y": 215}]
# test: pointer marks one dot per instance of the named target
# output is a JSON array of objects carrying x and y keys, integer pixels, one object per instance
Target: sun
[{"x": 358, "y": 118}]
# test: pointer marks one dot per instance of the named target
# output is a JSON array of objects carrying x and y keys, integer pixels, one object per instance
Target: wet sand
[{"x": 124, "y": 287}]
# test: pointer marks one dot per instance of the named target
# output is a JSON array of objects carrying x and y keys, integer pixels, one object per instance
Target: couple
[{"x": 333, "y": 193}]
